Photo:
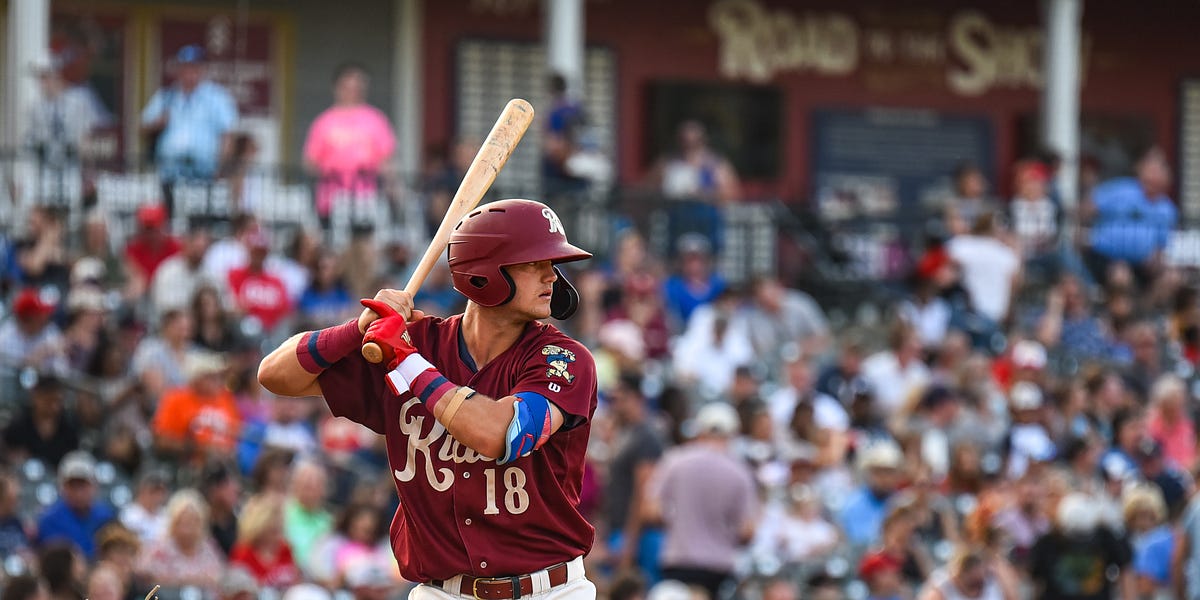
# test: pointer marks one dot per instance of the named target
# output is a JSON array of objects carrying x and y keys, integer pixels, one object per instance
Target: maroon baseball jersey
[{"x": 461, "y": 512}]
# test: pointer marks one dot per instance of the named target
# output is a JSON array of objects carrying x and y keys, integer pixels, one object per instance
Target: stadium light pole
[
  {"x": 28, "y": 41},
  {"x": 1061, "y": 69},
  {"x": 564, "y": 32}
]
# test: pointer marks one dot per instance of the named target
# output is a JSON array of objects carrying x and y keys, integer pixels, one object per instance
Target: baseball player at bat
[{"x": 486, "y": 413}]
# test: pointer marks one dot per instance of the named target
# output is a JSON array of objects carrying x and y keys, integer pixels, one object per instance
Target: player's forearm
[
  {"x": 281, "y": 373},
  {"x": 292, "y": 368},
  {"x": 481, "y": 422}
]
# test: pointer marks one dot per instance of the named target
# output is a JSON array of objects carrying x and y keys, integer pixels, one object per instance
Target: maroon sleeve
[
  {"x": 562, "y": 370},
  {"x": 354, "y": 388}
]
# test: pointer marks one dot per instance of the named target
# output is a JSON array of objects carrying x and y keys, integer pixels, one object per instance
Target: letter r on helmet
[{"x": 555, "y": 223}]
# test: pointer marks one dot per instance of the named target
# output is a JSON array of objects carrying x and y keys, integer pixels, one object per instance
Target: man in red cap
[
  {"x": 881, "y": 573},
  {"x": 30, "y": 339},
  {"x": 259, "y": 293},
  {"x": 1034, "y": 215},
  {"x": 151, "y": 245}
]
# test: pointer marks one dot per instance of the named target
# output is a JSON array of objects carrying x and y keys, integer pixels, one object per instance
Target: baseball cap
[
  {"x": 883, "y": 454},
  {"x": 693, "y": 243},
  {"x": 669, "y": 589},
  {"x": 799, "y": 453},
  {"x": 717, "y": 417},
  {"x": 86, "y": 297},
  {"x": 857, "y": 388},
  {"x": 45, "y": 63},
  {"x": 1032, "y": 169},
  {"x": 307, "y": 591},
  {"x": 154, "y": 477},
  {"x": 1148, "y": 449},
  {"x": 238, "y": 581},
  {"x": 936, "y": 396},
  {"x": 367, "y": 574},
  {"x": 1025, "y": 396},
  {"x": 214, "y": 474},
  {"x": 88, "y": 269},
  {"x": 1028, "y": 354},
  {"x": 201, "y": 362},
  {"x": 47, "y": 382},
  {"x": 151, "y": 215},
  {"x": 190, "y": 54},
  {"x": 877, "y": 563},
  {"x": 30, "y": 303},
  {"x": 77, "y": 465}
]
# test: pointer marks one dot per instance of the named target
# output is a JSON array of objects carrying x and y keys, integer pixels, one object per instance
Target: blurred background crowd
[{"x": 989, "y": 393}]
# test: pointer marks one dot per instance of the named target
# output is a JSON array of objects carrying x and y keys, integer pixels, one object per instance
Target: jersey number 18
[{"x": 516, "y": 499}]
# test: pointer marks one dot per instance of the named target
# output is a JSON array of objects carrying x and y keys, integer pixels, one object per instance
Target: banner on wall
[
  {"x": 963, "y": 51},
  {"x": 241, "y": 57}
]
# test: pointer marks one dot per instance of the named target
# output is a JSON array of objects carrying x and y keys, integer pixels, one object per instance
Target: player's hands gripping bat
[
  {"x": 389, "y": 332},
  {"x": 499, "y": 145}
]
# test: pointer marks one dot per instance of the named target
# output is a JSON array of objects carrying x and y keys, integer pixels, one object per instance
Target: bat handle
[{"x": 372, "y": 352}]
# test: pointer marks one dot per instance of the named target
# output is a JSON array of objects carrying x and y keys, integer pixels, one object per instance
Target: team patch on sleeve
[{"x": 560, "y": 360}]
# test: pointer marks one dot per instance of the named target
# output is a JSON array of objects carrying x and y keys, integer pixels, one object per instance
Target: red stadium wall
[{"x": 1137, "y": 53}]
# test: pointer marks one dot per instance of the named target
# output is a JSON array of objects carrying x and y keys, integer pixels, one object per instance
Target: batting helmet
[{"x": 510, "y": 232}]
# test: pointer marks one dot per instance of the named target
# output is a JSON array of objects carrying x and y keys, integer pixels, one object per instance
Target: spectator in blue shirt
[
  {"x": 1132, "y": 219},
  {"x": 1151, "y": 538},
  {"x": 862, "y": 515},
  {"x": 77, "y": 515},
  {"x": 193, "y": 120},
  {"x": 326, "y": 301},
  {"x": 14, "y": 535},
  {"x": 696, "y": 282},
  {"x": 1128, "y": 433},
  {"x": 563, "y": 126}
]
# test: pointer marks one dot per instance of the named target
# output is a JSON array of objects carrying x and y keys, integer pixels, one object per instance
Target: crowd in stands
[{"x": 1019, "y": 423}]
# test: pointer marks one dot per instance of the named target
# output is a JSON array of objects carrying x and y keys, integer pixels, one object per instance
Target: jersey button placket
[
  {"x": 483, "y": 565},
  {"x": 468, "y": 521}
]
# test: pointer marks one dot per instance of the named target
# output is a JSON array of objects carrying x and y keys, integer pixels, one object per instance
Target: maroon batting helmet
[{"x": 510, "y": 232}]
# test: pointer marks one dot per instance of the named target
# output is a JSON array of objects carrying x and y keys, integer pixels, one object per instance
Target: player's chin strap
[
  {"x": 564, "y": 301},
  {"x": 529, "y": 428}
]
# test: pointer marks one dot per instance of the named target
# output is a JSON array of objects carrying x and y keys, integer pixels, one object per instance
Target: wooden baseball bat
[{"x": 499, "y": 145}]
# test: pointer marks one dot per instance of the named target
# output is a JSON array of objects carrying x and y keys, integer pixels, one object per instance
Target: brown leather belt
[{"x": 505, "y": 588}]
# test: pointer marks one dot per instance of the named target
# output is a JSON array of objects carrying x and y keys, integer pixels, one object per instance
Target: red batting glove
[
  {"x": 383, "y": 309},
  {"x": 390, "y": 331}
]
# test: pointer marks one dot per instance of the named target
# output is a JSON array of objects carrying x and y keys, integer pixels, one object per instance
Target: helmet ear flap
[
  {"x": 512, "y": 287},
  {"x": 564, "y": 301}
]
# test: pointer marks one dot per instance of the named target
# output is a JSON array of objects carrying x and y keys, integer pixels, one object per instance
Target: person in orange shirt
[{"x": 199, "y": 420}]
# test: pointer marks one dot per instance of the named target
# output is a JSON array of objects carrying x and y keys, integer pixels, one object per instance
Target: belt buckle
[{"x": 475, "y": 586}]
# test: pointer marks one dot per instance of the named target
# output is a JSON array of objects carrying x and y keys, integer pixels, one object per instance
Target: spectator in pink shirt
[
  {"x": 1169, "y": 422},
  {"x": 349, "y": 144}
]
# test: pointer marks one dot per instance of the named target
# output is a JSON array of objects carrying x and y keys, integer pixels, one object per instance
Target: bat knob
[{"x": 372, "y": 352}]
